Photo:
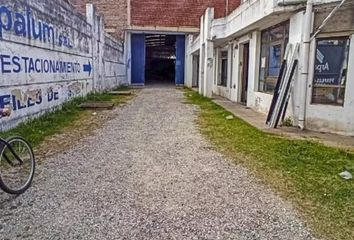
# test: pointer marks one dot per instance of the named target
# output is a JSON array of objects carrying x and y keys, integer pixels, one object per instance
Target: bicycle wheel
[{"x": 16, "y": 175}]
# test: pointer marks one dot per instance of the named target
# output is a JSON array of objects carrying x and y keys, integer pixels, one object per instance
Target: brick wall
[
  {"x": 154, "y": 12},
  {"x": 114, "y": 11},
  {"x": 233, "y": 4},
  {"x": 176, "y": 13}
]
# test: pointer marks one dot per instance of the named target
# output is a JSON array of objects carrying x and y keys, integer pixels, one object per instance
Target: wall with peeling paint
[{"x": 49, "y": 54}]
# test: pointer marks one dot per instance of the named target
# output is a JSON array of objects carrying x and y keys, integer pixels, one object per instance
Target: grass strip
[
  {"x": 304, "y": 172},
  {"x": 37, "y": 129}
]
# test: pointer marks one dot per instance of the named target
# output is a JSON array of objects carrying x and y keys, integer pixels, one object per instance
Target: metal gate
[
  {"x": 180, "y": 59},
  {"x": 138, "y": 59}
]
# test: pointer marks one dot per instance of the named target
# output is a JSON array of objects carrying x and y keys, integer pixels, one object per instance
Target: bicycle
[{"x": 17, "y": 163}]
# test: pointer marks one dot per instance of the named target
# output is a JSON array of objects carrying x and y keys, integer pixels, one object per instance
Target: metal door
[
  {"x": 138, "y": 59},
  {"x": 180, "y": 58},
  {"x": 245, "y": 69}
]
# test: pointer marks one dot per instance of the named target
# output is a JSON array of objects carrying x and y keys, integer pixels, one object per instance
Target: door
[
  {"x": 195, "y": 78},
  {"x": 138, "y": 59},
  {"x": 245, "y": 68},
  {"x": 180, "y": 58}
]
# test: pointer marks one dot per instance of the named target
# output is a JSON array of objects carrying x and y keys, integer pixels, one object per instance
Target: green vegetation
[
  {"x": 288, "y": 122},
  {"x": 304, "y": 172},
  {"x": 37, "y": 129}
]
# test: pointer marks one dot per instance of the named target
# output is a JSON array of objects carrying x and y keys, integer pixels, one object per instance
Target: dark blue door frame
[
  {"x": 138, "y": 59},
  {"x": 180, "y": 59}
]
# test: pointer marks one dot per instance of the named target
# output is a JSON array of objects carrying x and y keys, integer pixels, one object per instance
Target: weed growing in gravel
[{"x": 305, "y": 172}]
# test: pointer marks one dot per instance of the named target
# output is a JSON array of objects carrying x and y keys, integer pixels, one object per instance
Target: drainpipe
[{"x": 306, "y": 41}]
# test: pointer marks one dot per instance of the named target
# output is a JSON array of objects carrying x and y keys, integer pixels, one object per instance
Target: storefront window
[
  {"x": 274, "y": 60},
  {"x": 274, "y": 41},
  {"x": 223, "y": 67},
  {"x": 330, "y": 75}
]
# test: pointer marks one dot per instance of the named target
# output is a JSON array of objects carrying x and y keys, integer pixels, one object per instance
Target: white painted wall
[
  {"x": 251, "y": 12},
  {"x": 261, "y": 101},
  {"x": 224, "y": 91},
  {"x": 245, "y": 25},
  {"x": 235, "y": 72},
  {"x": 207, "y": 60},
  {"x": 216, "y": 70},
  {"x": 27, "y": 85},
  {"x": 128, "y": 57},
  {"x": 258, "y": 100},
  {"x": 114, "y": 68},
  {"x": 189, "y": 62},
  {"x": 295, "y": 36}
]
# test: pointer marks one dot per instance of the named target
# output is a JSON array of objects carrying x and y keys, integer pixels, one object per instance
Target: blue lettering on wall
[
  {"x": 53, "y": 96},
  {"x": 20, "y": 105},
  {"x": 20, "y": 25},
  {"x": 5, "y": 100},
  {"x": 5, "y": 14},
  {"x": 27, "y": 25},
  {"x": 30, "y": 102},
  {"x": 17, "y": 64},
  {"x": 5, "y": 63},
  {"x": 16, "y": 104}
]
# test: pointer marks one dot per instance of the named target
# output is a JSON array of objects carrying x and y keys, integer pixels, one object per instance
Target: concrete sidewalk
[{"x": 258, "y": 120}]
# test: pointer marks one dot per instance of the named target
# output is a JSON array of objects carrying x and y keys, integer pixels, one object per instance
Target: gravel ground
[{"x": 147, "y": 174}]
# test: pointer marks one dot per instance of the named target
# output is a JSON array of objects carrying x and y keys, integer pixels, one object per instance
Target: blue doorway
[
  {"x": 138, "y": 59},
  {"x": 158, "y": 59},
  {"x": 180, "y": 59}
]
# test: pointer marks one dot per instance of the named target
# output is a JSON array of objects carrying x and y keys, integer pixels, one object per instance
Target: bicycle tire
[{"x": 29, "y": 180}]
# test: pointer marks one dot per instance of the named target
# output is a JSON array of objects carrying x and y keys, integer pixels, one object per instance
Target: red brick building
[
  {"x": 182, "y": 13},
  {"x": 115, "y": 13},
  {"x": 123, "y": 14},
  {"x": 155, "y": 33}
]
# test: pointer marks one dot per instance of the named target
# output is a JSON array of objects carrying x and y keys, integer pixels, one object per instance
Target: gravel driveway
[{"x": 147, "y": 174}]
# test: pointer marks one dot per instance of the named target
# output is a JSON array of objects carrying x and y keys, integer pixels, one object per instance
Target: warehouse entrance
[
  {"x": 160, "y": 65},
  {"x": 158, "y": 59}
]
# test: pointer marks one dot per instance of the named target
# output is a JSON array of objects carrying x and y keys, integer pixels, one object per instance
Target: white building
[{"x": 240, "y": 56}]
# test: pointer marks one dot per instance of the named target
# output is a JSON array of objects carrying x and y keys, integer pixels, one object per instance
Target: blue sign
[{"x": 330, "y": 57}]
